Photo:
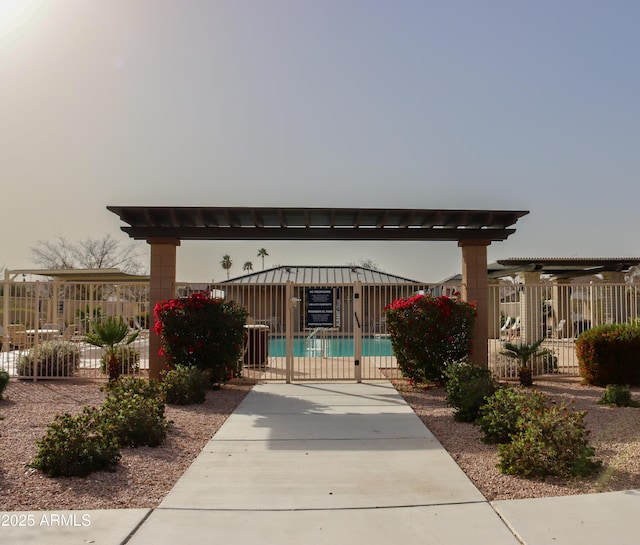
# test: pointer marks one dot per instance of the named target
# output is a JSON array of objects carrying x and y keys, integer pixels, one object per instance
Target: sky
[{"x": 458, "y": 104}]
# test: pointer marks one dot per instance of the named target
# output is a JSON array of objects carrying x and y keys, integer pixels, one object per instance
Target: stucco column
[
  {"x": 494, "y": 309},
  {"x": 163, "y": 286},
  {"x": 475, "y": 288},
  {"x": 530, "y": 308}
]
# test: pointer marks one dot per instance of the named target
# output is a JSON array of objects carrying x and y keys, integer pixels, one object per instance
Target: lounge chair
[
  {"x": 514, "y": 330},
  {"x": 507, "y": 325},
  {"x": 559, "y": 329},
  {"x": 18, "y": 338}
]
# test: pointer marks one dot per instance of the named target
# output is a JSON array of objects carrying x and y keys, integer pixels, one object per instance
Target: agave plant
[
  {"x": 110, "y": 335},
  {"x": 523, "y": 353}
]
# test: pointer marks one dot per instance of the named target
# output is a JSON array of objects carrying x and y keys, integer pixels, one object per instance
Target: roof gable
[{"x": 306, "y": 274}]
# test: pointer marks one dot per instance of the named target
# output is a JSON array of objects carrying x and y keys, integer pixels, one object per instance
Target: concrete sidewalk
[{"x": 332, "y": 464}]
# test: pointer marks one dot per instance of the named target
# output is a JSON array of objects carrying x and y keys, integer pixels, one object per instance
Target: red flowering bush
[
  {"x": 428, "y": 333},
  {"x": 200, "y": 332}
]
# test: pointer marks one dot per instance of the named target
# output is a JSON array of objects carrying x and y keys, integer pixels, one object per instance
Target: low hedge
[
  {"x": 52, "y": 358},
  {"x": 610, "y": 354}
]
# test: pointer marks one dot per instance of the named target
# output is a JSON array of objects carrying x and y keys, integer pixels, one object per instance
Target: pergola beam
[{"x": 316, "y": 233}]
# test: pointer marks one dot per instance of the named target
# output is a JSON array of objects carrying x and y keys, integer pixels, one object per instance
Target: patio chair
[
  {"x": 507, "y": 325},
  {"x": 514, "y": 330},
  {"x": 69, "y": 332},
  {"x": 18, "y": 338}
]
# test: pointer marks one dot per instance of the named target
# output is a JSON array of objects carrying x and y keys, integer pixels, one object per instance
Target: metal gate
[{"x": 317, "y": 332}]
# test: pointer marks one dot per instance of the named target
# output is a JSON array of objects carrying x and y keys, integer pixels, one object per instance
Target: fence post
[
  {"x": 6, "y": 296},
  {"x": 357, "y": 329},
  {"x": 36, "y": 335},
  {"x": 289, "y": 341}
]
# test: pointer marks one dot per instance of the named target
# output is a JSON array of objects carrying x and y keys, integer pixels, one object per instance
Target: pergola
[{"x": 164, "y": 227}]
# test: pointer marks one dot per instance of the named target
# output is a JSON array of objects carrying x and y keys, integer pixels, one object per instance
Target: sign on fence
[{"x": 321, "y": 307}]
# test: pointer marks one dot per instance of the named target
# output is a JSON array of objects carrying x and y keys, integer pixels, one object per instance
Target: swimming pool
[{"x": 331, "y": 347}]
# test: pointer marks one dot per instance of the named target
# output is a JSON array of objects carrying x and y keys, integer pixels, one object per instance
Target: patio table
[{"x": 43, "y": 334}]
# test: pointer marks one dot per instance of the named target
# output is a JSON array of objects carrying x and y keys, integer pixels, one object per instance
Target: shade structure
[
  {"x": 164, "y": 227},
  {"x": 243, "y": 223}
]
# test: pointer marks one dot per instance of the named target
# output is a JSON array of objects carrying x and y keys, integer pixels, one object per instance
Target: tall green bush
[
  {"x": 185, "y": 385},
  {"x": 468, "y": 387},
  {"x": 428, "y": 333},
  {"x": 500, "y": 415},
  {"x": 201, "y": 332},
  {"x": 610, "y": 354},
  {"x": 136, "y": 409}
]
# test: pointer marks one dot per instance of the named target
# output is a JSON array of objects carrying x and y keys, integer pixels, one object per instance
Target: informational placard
[{"x": 321, "y": 307}]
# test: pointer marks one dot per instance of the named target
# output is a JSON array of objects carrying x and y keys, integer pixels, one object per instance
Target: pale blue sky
[{"x": 427, "y": 104}]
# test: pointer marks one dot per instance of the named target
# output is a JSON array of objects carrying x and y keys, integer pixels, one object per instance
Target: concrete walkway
[{"x": 335, "y": 464}]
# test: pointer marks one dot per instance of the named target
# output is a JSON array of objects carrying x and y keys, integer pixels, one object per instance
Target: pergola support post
[
  {"x": 162, "y": 286},
  {"x": 475, "y": 288}
]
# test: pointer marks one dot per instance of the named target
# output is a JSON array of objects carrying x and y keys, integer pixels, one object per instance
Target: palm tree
[
  {"x": 262, "y": 252},
  {"x": 523, "y": 352},
  {"x": 248, "y": 266},
  {"x": 226, "y": 263},
  {"x": 111, "y": 335}
]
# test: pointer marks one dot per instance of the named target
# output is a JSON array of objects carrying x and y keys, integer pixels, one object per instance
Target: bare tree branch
[
  {"x": 105, "y": 253},
  {"x": 53, "y": 255}
]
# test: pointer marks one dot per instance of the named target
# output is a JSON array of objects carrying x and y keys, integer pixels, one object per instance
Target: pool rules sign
[{"x": 323, "y": 307}]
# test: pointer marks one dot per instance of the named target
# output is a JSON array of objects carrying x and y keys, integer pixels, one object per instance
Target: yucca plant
[
  {"x": 110, "y": 335},
  {"x": 523, "y": 353}
]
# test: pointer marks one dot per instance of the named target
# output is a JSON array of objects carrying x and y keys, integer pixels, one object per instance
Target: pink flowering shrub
[
  {"x": 197, "y": 331},
  {"x": 428, "y": 333}
]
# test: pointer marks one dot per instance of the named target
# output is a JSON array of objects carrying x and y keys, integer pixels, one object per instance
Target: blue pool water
[{"x": 331, "y": 348}]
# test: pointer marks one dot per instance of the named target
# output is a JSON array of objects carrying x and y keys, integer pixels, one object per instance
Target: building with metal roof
[{"x": 306, "y": 274}]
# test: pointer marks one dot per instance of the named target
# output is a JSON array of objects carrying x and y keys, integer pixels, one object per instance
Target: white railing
[
  {"x": 37, "y": 314},
  {"x": 279, "y": 327},
  {"x": 556, "y": 313}
]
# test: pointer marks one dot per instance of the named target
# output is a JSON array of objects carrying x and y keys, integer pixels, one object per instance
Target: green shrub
[
  {"x": 197, "y": 331},
  {"x": 552, "y": 441},
  {"x": 618, "y": 394},
  {"x": 4, "y": 381},
  {"x": 127, "y": 355},
  {"x": 185, "y": 385},
  {"x": 428, "y": 333},
  {"x": 135, "y": 408},
  {"x": 608, "y": 354},
  {"x": 112, "y": 335},
  {"x": 524, "y": 353},
  {"x": 500, "y": 414},
  {"x": 546, "y": 362},
  {"x": 134, "y": 385},
  {"x": 77, "y": 445},
  {"x": 468, "y": 386},
  {"x": 54, "y": 359}
]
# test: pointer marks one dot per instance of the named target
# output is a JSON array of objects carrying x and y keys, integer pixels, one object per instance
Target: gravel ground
[
  {"x": 614, "y": 432},
  {"x": 145, "y": 475},
  {"x": 142, "y": 478}
]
